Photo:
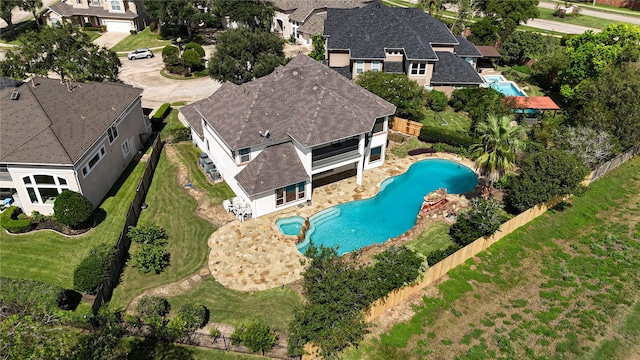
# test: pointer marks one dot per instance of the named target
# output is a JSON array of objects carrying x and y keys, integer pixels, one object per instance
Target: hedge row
[
  {"x": 433, "y": 134},
  {"x": 162, "y": 112},
  {"x": 13, "y": 222}
]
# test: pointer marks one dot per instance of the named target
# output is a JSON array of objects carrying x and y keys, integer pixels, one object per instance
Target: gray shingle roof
[
  {"x": 394, "y": 67},
  {"x": 367, "y": 31},
  {"x": 50, "y": 125},
  {"x": 6, "y": 82},
  {"x": 193, "y": 118},
  {"x": 302, "y": 9},
  {"x": 304, "y": 100},
  {"x": 67, "y": 10},
  {"x": 314, "y": 24},
  {"x": 277, "y": 166},
  {"x": 453, "y": 70},
  {"x": 466, "y": 48}
]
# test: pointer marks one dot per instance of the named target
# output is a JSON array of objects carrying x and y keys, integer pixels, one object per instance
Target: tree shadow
[
  {"x": 69, "y": 300},
  {"x": 150, "y": 349}
]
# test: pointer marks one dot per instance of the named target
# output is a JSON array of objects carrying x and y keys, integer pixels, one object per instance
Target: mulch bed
[{"x": 50, "y": 224}]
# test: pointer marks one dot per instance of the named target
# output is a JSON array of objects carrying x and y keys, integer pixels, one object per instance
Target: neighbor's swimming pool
[
  {"x": 392, "y": 212},
  {"x": 494, "y": 78},
  {"x": 508, "y": 88}
]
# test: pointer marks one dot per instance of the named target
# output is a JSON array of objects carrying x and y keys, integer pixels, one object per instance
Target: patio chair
[{"x": 226, "y": 204}]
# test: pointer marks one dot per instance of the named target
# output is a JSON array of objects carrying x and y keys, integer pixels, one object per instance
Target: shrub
[
  {"x": 37, "y": 217},
  {"x": 151, "y": 258},
  {"x": 153, "y": 26},
  {"x": 195, "y": 46},
  {"x": 421, "y": 151},
  {"x": 446, "y": 148},
  {"x": 180, "y": 134},
  {"x": 522, "y": 69},
  {"x": 408, "y": 97},
  {"x": 23, "y": 296},
  {"x": 438, "y": 101},
  {"x": 170, "y": 55},
  {"x": 133, "y": 32},
  {"x": 162, "y": 112},
  {"x": 479, "y": 103},
  {"x": 194, "y": 315},
  {"x": 94, "y": 269},
  {"x": 149, "y": 306},
  {"x": 214, "y": 333},
  {"x": 72, "y": 208},
  {"x": 10, "y": 221},
  {"x": 191, "y": 58},
  {"x": 482, "y": 219},
  {"x": 147, "y": 234},
  {"x": 433, "y": 134},
  {"x": 504, "y": 182},
  {"x": 438, "y": 255},
  {"x": 292, "y": 39},
  {"x": 256, "y": 336}
]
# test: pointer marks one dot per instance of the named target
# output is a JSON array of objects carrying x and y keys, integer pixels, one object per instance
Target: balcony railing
[{"x": 335, "y": 153}]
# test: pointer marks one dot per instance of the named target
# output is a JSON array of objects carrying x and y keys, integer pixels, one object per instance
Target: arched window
[
  {"x": 115, "y": 5},
  {"x": 43, "y": 189}
]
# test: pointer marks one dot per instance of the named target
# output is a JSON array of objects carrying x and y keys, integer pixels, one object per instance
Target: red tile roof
[{"x": 533, "y": 102}]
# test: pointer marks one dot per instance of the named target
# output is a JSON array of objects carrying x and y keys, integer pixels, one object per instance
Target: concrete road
[
  {"x": 558, "y": 26},
  {"x": 598, "y": 14},
  {"x": 145, "y": 74}
]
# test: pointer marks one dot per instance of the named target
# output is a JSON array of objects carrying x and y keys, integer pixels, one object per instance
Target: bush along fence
[
  {"x": 440, "y": 269},
  {"x": 105, "y": 289}
]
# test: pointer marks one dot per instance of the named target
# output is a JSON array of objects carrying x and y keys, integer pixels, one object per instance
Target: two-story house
[
  {"x": 273, "y": 137},
  {"x": 399, "y": 40},
  {"x": 305, "y": 18},
  {"x": 115, "y": 15},
  {"x": 56, "y": 136}
]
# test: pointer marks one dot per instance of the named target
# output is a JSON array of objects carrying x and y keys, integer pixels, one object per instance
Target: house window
[
  {"x": 375, "y": 66},
  {"x": 79, "y": 1},
  {"x": 112, "y": 132},
  {"x": 418, "y": 68},
  {"x": 115, "y": 5},
  {"x": 289, "y": 194},
  {"x": 125, "y": 148},
  {"x": 96, "y": 2},
  {"x": 376, "y": 154},
  {"x": 359, "y": 67},
  {"x": 43, "y": 189},
  {"x": 244, "y": 155},
  {"x": 379, "y": 125},
  {"x": 93, "y": 161}
]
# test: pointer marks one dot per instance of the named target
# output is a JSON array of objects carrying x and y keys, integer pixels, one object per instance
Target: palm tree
[
  {"x": 499, "y": 147},
  {"x": 430, "y": 6}
]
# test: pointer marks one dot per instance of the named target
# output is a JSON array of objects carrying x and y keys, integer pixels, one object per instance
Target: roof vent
[
  {"x": 295, "y": 73},
  {"x": 15, "y": 95},
  {"x": 378, "y": 6},
  {"x": 265, "y": 134}
]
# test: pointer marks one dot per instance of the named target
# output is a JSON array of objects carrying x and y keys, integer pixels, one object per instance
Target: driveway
[
  {"x": 145, "y": 74},
  {"x": 109, "y": 39}
]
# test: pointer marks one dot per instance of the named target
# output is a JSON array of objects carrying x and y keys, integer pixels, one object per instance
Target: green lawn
[
  {"x": 171, "y": 123},
  {"x": 565, "y": 286},
  {"x": 149, "y": 349},
  {"x": 143, "y": 39},
  {"x": 603, "y": 8},
  {"x": 49, "y": 257},
  {"x": 434, "y": 237},
  {"x": 448, "y": 118},
  {"x": 274, "y": 306},
  {"x": 93, "y": 35},
  {"x": 582, "y": 20},
  {"x": 189, "y": 155},
  {"x": 540, "y": 31},
  {"x": 413, "y": 143},
  {"x": 172, "y": 209}
]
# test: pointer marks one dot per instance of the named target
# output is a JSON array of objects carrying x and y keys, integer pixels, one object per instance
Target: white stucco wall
[{"x": 18, "y": 172}]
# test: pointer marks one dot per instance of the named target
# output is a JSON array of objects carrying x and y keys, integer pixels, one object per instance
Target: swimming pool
[
  {"x": 508, "y": 88},
  {"x": 391, "y": 212},
  {"x": 290, "y": 225},
  {"x": 494, "y": 78}
]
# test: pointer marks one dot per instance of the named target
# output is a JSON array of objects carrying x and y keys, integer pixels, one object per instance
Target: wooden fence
[
  {"x": 406, "y": 126},
  {"x": 105, "y": 289},
  {"x": 605, "y": 168}
]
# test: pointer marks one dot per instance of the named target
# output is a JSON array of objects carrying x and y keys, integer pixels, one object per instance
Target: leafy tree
[
  {"x": 318, "y": 47},
  {"x": 179, "y": 12},
  {"x": 194, "y": 315},
  {"x": 546, "y": 70},
  {"x": 170, "y": 55},
  {"x": 545, "y": 175},
  {"x": 24, "y": 296},
  {"x": 32, "y": 6},
  {"x": 437, "y": 100},
  {"x": 94, "y": 269},
  {"x": 151, "y": 258},
  {"x": 409, "y": 98},
  {"x": 6, "y": 6},
  {"x": 175, "y": 329},
  {"x": 244, "y": 54},
  {"x": 149, "y": 306},
  {"x": 72, "y": 208},
  {"x": 147, "y": 234},
  {"x": 483, "y": 218},
  {"x": 64, "y": 50},
  {"x": 430, "y": 6},
  {"x": 523, "y": 45},
  {"x": 485, "y": 31},
  {"x": 507, "y": 14},
  {"x": 104, "y": 341},
  {"x": 465, "y": 11},
  {"x": 191, "y": 58},
  {"x": 499, "y": 146},
  {"x": 252, "y": 13},
  {"x": 195, "y": 46},
  {"x": 257, "y": 336},
  {"x": 592, "y": 146},
  {"x": 479, "y": 103}
]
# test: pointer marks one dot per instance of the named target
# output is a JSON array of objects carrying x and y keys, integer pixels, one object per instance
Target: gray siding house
[{"x": 56, "y": 136}]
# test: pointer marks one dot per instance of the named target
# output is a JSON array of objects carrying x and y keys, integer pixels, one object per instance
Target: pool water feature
[
  {"x": 290, "y": 226},
  {"x": 494, "y": 78},
  {"x": 508, "y": 88},
  {"x": 390, "y": 213}
]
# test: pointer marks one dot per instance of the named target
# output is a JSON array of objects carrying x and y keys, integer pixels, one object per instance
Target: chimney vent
[{"x": 15, "y": 95}]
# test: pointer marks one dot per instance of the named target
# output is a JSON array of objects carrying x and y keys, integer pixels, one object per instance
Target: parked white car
[{"x": 140, "y": 54}]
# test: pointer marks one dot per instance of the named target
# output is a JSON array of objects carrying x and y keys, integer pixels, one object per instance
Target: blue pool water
[
  {"x": 391, "y": 212},
  {"x": 508, "y": 88},
  {"x": 494, "y": 78},
  {"x": 290, "y": 225}
]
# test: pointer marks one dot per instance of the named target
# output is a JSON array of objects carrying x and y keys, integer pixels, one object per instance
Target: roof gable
[
  {"x": 452, "y": 69},
  {"x": 369, "y": 30}
]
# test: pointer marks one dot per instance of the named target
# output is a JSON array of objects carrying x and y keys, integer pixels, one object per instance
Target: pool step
[{"x": 318, "y": 219}]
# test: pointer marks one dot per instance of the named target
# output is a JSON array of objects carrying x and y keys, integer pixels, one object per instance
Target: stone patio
[{"x": 254, "y": 255}]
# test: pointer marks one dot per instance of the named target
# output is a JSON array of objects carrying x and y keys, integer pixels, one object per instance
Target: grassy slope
[
  {"x": 565, "y": 286},
  {"x": 49, "y": 257},
  {"x": 143, "y": 39},
  {"x": 582, "y": 20},
  {"x": 434, "y": 237},
  {"x": 189, "y": 156}
]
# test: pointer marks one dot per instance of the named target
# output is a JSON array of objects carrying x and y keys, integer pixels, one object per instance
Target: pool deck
[{"x": 254, "y": 255}]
